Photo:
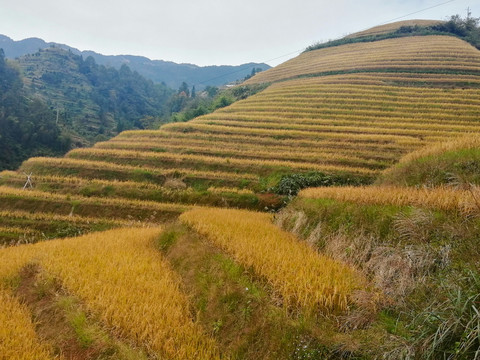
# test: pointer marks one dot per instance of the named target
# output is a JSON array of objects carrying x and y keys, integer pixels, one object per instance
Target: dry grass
[
  {"x": 394, "y": 269},
  {"x": 299, "y": 274}
]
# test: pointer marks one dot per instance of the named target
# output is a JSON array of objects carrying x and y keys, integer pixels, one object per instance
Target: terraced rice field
[
  {"x": 306, "y": 124},
  {"x": 444, "y": 198},
  {"x": 127, "y": 284},
  {"x": 353, "y": 110},
  {"x": 21, "y": 227},
  {"x": 18, "y": 339},
  {"x": 361, "y": 108},
  {"x": 427, "y": 54},
  {"x": 102, "y": 209},
  {"x": 302, "y": 276}
]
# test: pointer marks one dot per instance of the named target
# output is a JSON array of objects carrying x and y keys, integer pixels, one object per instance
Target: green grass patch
[{"x": 436, "y": 170}]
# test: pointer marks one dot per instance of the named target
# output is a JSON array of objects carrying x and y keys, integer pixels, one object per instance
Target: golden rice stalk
[
  {"x": 18, "y": 339},
  {"x": 42, "y": 216},
  {"x": 12, "y": 259},
  {"x": 442, "y": 198},
  {"x": 36, "y": 194},
  {"x": 302, "y": 276},
  {"x": 15, "y": 230},
  {"x": 68, "y": 163},
  {"x": 232, "y": 163},
  {"x": 219, "y": 190},
  {"x": 124, "y": 280}
]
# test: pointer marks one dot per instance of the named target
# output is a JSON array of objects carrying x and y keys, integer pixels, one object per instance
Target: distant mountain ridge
[{"x": 168, "y": 72}]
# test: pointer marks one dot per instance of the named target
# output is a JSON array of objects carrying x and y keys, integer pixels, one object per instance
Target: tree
[
  {"x": 211, "y": 91},
  {"x": 184, "y": 89}
]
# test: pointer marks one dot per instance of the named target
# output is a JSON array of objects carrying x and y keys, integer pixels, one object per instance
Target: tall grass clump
[{"x": 450, "y": 327}]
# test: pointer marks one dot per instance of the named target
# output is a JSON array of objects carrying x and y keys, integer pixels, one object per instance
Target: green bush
[{"x": 291, "y": 184}]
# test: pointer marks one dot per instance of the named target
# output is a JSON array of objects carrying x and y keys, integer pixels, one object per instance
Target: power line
[
  {"x": 416, "y": 12},
  {"x": 298, "y": 51}
]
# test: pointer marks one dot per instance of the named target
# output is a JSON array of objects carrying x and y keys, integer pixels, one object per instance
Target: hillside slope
[
  {"x": 422, "y": 54},
  {"x": 92, "y": 101},
  {"x": 333, "y": 121},
  {"x": 384, "y": 29}
]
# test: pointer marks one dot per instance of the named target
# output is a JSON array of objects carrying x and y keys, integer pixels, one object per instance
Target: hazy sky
[{"x": 208, "y": 32}]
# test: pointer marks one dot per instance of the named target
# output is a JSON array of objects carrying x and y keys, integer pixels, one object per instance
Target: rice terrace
[{"x": 333, "y": 212}]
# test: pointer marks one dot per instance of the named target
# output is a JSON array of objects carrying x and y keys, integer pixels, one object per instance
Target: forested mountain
[
  {"x": 93, "y": 101},
  {"x": 75, "y": 100},
  {"x": 27, "y": 125},
  {"x": 170, "y": 73}
]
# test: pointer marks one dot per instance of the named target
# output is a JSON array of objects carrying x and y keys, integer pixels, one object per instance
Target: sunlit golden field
[
  {"x": 300, "y": 275},
  {"x": 444, "y": 198},
  {"x": 123, "y": 279},
  {"x": 18, "y": 339}
]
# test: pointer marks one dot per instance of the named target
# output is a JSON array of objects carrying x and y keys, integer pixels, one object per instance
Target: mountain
[
  {"x": 53, "y": 100},
  {"x": 170, "y": 73},
  {"x": 27, "y": 125}
]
